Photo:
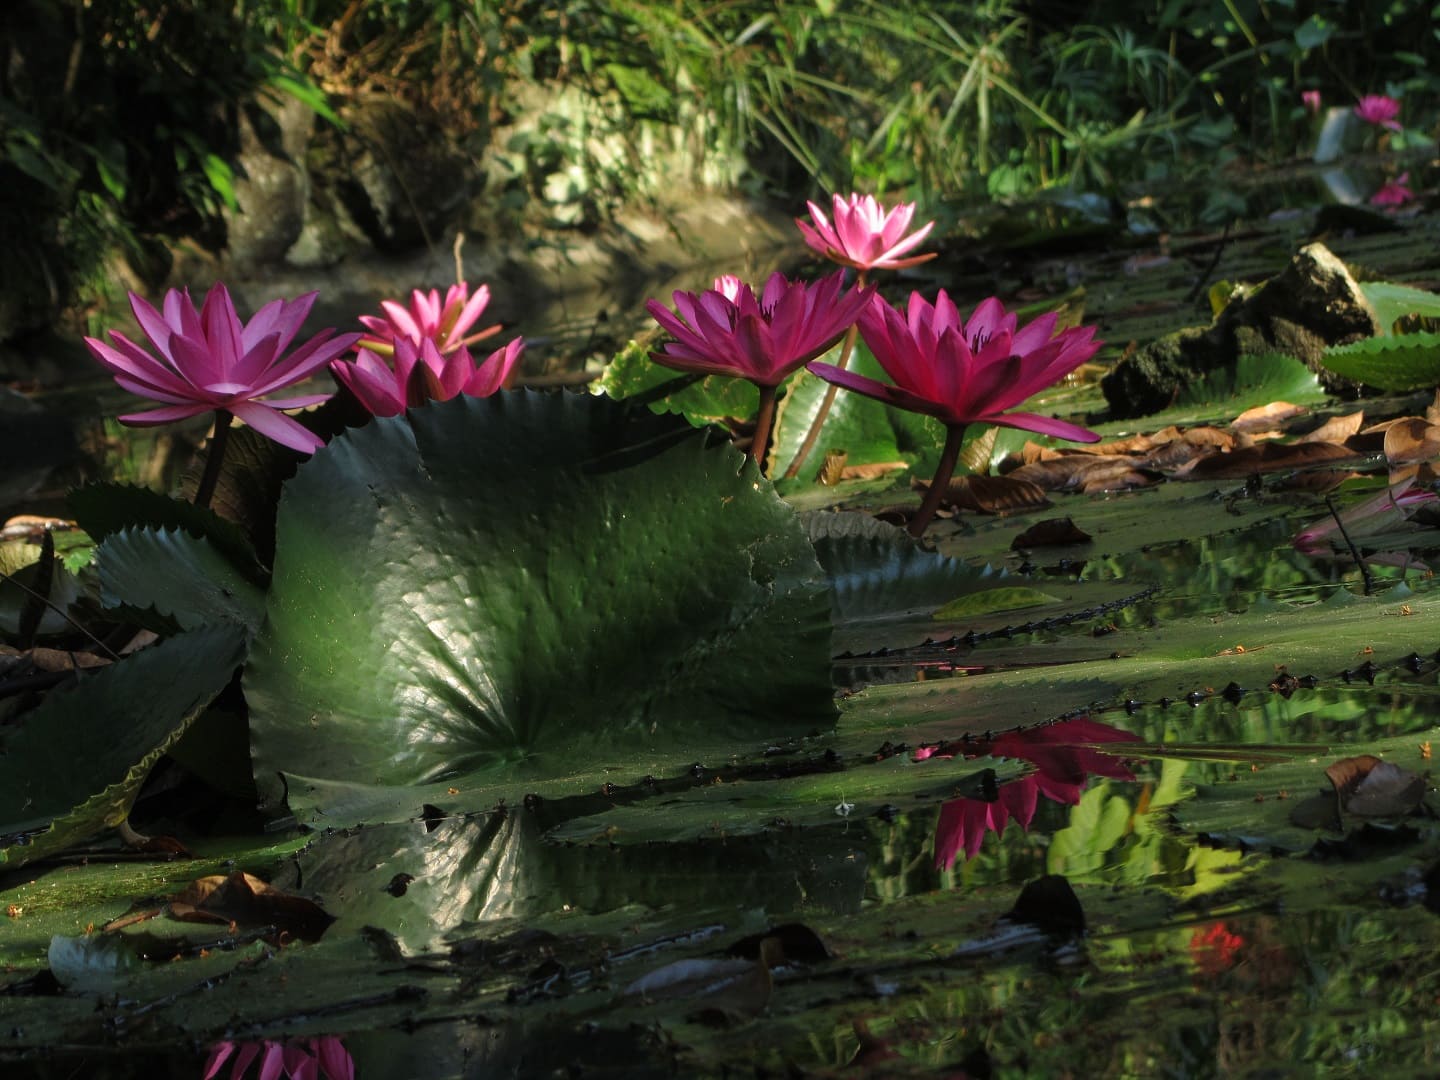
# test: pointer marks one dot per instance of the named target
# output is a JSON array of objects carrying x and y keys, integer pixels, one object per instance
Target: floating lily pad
[
  {"x": 593, "y": 584},
  {"x": 1408, "y": 362},
  {"x": 125, "y": 717}
]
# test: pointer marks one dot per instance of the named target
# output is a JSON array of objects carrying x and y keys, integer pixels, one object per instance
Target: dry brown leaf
[
  {"x": 248, "y": 901},
  {"x": 1266, "y": 417},
  {"x": 63, "y": 659},
  {"x": 995, "y": 494},
  {"x": 873, "y": 471},
  {"x": 1337, "y": 429},
  {"x": 1432, "y": 411},
  {"x": 1265, "y": 457},
  {"x": 1063, "y": 473},
  {"x": 1370, "y": 787},
  {"x": 1033, "y": 451},
  {"x": 832, "y": 467},
  {"x": 1120, "y": 475},
  {"x": 1411, "y": 439}
]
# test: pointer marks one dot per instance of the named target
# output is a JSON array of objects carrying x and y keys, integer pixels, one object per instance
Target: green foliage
[
  {"x": 606, "y": 580},
  {"x": 119, "y": 123},
  {"x": 123, "y": 718},
  {"x": 1407, "y": 362}
]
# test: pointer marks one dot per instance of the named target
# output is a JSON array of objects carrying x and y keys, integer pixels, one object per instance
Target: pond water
[{"x": 1089, "y": 835}]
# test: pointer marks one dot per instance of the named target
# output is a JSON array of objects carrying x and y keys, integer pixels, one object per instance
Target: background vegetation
[{"x": 118, "y": 118}]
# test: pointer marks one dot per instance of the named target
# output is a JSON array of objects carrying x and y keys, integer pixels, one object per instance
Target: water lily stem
[
  {"x": 764, "y": 419},
  {"x": 214, "y": 456},
  {"x": 813, "y": 435},
  {"x": 940, "y": 482}
]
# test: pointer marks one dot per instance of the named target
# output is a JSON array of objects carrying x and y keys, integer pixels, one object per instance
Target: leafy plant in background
[{"x": 120, "y": 125}]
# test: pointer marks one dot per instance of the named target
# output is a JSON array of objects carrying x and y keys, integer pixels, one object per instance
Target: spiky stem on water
[{"x": 940, "y": 482}]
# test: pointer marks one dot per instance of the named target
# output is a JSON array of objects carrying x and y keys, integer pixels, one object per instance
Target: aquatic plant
[
  {"x": 864, "y": 234},
  {"x": 423, "y": 373},
  {"x": 761, "y": 340},
  {"x": 1380, "y": 110},
  {"x": 867, "y": 236},
  {"x": 211, "y": 361},
  {"x": 964, "y": 373},
  {"x": 429, "y": 319},
  {"x": 307, "y": 1059}
]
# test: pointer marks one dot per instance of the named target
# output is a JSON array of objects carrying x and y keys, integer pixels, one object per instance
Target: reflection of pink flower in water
[
  {"x": 307, "y": 1059},
  {"x": 1213, "y": 948},
  {"x": 1394, "y": 192},
  {"x": 1063, "y": 758},
  {"x": 1390, "y": 509}
]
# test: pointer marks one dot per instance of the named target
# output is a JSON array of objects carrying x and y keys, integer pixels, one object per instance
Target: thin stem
[
  {"x": 763, "y": 421},
  {"x": 813, "y": 435},
  {"x": 940, "y": 482},
  {"x": 1365, "y": 574},
  {"x": 213, "y": 458}
]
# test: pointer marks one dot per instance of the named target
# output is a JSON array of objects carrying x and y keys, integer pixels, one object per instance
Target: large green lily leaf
[
  {"x": 1407, "y": 362},
  {"x": 178, "y": 577},
  {"x": 124, "y": 717},
  {"x": 105, "y": 509},
  {"x": 495, "y": 581}
]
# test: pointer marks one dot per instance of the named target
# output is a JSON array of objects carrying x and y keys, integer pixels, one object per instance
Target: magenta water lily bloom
[
  {"x": 973, "y": 371},
  {"x": 1380, "y": 110},
  {"x": 863, "y": 234},
  {"x": 308, "y": 1059},
  {"x": 727, "y": 330},
  {"x": 209, "y": 361},
  {"x": 428, "y": 318},
  {"x": 423, "y": 374}
]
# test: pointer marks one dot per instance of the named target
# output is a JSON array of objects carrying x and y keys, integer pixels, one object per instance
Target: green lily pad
[
  {"x": 1393, "y": 301},
  {"x": 1011, "y": 598},
  {"x": 179, "y": 577},
  {"x": 1408, "y": 362},
  {"x": 104, "y": 509},
  {"x": 524, "y": 579},
  {"x": 78, "y": 759}
]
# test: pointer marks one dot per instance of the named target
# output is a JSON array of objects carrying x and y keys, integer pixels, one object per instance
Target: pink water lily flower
[
  {"x": 210, "y": 361},
  {"x": 761, "y": 339},
  {"x": 421, "y": 373},
  {"x": 864, "y": 234},
  {"x": 728, "y": 331},
  {"x": 1379, "y": 109},
  {"x": 1394, "y": 192},
  {"x": 307, "y": 1059},
  {"x": 965, "y": 372},
  {"x": 429, "y": 319},
  {"x": 1311, "y": 101}
]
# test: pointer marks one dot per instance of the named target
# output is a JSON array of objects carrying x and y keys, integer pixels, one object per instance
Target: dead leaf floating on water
[
  {"x": 998, "y": 495},
  {"x": 1411, "y": 439},
  {"x": 1266, "y": 417},
  {"x": 1364, "y": 787},
  {"x": 249, "y": 902}
]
